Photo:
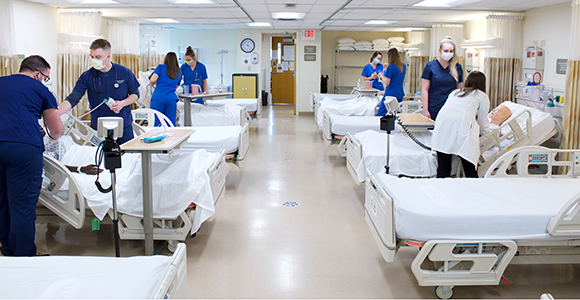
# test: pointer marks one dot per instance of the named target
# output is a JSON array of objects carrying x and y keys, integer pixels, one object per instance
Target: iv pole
[{"x": 221, "y": 53}]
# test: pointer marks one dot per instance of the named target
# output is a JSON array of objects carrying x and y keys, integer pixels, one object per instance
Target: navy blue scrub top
[
  {"x": 99, "y": 86},
  {"x": 442, "y": 84},
  {"x": 23, "y": 100}
]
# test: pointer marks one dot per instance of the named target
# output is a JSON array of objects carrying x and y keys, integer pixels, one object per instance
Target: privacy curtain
[
  {"x": 503, "y": 65},
  {"x": 124, "y": 38},
  {"x": 418, "y": 58},
  {"x": 440, "y": 31},
  {"x": 8, "y": 61},
  {"x": 76, "y": 31},
  {"x": 571, "y": 118}
]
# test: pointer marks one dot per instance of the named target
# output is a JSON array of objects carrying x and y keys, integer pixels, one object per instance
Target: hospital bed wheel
[
  {"x": 444, "y": 292},
  {"x": 171, "y": 246}
]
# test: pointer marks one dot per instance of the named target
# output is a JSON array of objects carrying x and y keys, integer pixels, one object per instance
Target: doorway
[{"x": 283, "y": 70}]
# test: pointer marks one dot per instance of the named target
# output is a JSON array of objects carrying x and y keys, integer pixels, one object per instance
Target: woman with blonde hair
[
  {"x": 166, "y": 77},
  {"x": 440, "y": 77},
  {"x": 393, "y": 78}
]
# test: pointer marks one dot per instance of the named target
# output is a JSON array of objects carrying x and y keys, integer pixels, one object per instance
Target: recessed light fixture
[
  {"x": 162, "y": 20},
  {"x": 443, "y": 3},
  {"x": 94, "y": 1},
  {"x": 288, "y": 15},
  {"x": 192, "y": 1},
  {"x": 260, "y": 24},
  {"x": 379, "y": 22}
]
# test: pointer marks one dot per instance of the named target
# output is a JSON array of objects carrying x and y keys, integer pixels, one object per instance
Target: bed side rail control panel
[{"x": 537, "y": 161}]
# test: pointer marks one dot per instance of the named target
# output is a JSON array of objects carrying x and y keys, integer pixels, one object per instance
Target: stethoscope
[{"x": 115, "y": 85}]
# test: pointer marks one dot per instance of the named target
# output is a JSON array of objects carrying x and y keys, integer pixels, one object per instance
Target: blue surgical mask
[{"x": 377, "y": 61}]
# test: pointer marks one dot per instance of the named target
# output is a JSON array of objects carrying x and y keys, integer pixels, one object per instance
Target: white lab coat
[{"x": 459, "y": 124}]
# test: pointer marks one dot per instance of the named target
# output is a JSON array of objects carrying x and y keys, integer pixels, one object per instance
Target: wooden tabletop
[
  {"x": 174, "y": 136},
  {"x": 415, "y": 119}
]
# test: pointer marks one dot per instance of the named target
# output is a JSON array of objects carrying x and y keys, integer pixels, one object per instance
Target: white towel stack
[
  {"x": 345, "y": 43},
  {"x": 397, "y": 42},
  {"x": 363, "y": 45},
  {"x": 381, "y": 44}
]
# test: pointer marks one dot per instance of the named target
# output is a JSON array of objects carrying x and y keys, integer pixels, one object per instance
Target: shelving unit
[{"x": 338, "y": 67}]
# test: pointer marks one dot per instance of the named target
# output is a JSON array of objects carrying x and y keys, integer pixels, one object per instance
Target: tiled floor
[{"x": 257, "y": 247}]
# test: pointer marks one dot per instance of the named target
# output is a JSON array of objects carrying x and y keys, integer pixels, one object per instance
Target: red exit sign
[{"x": 309, "y": 34}]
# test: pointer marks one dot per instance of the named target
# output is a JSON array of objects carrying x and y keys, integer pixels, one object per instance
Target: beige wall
[
  {"x": 328, "y": 54},
  {"x": 552, "y": 25}
]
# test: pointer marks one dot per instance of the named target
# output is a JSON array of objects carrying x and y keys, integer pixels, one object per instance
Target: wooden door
[{"x": 283, "y": 70}]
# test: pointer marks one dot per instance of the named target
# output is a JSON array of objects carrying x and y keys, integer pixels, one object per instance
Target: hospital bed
[
  {"x": 335, "y": 126},
  {"x": 526, "y": 126},
  {"x": 84, "y": 277},
  {"x": 202, "y": 115},
  {"x": 234, "y": 140},
  {"x": 345, "y": 105},
  {"x": 200, "y": 179},
  {"x": 253, "y": 105},
  {"x": 467, "y": 231}
]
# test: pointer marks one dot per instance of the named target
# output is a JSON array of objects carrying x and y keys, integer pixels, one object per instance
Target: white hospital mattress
[
  {"x": 250, "y": 103},
  {"x": 215, "y": 138},
  {"x": 201, "y": 115},
  {"x": 70, "y": 277},
  {"x": 340, "y": 125},
  {"x": 406, "y": 157},
  {"x": 471, "y": 209}
]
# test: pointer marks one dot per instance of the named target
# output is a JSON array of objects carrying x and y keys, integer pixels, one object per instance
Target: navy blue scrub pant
[{"x": 20, "y": 182}]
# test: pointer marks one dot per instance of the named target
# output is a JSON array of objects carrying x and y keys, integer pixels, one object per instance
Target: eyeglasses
[{"x": 46, "y": 78}]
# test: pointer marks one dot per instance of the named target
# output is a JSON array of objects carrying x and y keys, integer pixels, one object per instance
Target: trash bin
[{"x": 264, "y": 98}]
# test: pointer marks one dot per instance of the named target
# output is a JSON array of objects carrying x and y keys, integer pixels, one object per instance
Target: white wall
[
  {"x": 476, "y": 30},
  {"x": 308, "y": 75},
  {"x": 35, "y": 27},
  {"x": 146, "y": 34},
  {"x": 208, "y": 43},
  {"x": 551, "y": 24}
]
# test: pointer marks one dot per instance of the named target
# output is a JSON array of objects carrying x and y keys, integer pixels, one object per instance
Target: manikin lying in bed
[{"x": 179, "y": 178}]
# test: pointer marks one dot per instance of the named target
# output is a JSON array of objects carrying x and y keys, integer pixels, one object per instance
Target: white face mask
[
  {"x": 98, "y": 64},
  {"x": 446, "y": 56}
]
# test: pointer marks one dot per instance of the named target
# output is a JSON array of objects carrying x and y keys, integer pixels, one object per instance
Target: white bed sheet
[
  {"x": 340, "y": 125},
  {"x": 250, "y": 103},
  {"x": 542, "y": 122},
  {"x": 215, "y": 138},
  {"x": 57, "y": 277},
  {"x": 406, "y": 157},
  {"x": 201, "y": 115},
  {"x": 178, "y": 180},
  {"x": 357, "y": 106},
  {"x": 471, "y": 209}
]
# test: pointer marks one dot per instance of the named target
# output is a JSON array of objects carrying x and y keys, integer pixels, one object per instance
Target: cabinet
[
  {"x": 245, "y": 85},
  {"x": 348, "y": 67}
]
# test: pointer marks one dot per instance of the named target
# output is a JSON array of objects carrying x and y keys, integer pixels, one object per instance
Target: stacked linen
[
  {"x": 363, "y": 45},
  {"x": 397, "y": 42},
  {"x": 345, "y": 43},
  {"x": 381, "y": 44}
]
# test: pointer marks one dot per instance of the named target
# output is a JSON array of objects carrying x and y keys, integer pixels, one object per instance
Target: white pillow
[
  {"x": 344, "y": 40},
  {"x": 396, "y": 39}
]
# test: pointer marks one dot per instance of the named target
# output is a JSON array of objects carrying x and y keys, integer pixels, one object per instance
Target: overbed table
[
  {"x": 136, "y": 145},
  {"x": 186, "y": 98}
]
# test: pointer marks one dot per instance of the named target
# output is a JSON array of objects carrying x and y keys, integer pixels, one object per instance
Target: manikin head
[{"x": 499, "y": 114}]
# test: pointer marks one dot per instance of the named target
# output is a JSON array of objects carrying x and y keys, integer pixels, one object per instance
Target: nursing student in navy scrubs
[
  {"x": 105, "y": 80},
  {"x": 440, "y": 77}
]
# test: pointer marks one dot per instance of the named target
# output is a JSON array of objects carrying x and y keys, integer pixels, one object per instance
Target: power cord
[{"x": 408, "y": 132}]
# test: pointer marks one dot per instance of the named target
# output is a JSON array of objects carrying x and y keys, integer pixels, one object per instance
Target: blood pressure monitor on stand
[{"x": 111, "y": 128}]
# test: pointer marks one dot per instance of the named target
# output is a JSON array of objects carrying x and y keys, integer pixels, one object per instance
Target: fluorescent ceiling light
[
  {"x": 379, "y": 22},
  {"x": 287, "y": 15},
  {"x": 443, "y": 3},
  {"x": 192, "y": 1},
  {"x": 162, "y": 20},
  {"x": 260, "y": 24},
  {"x": 94, "y": 1}
]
